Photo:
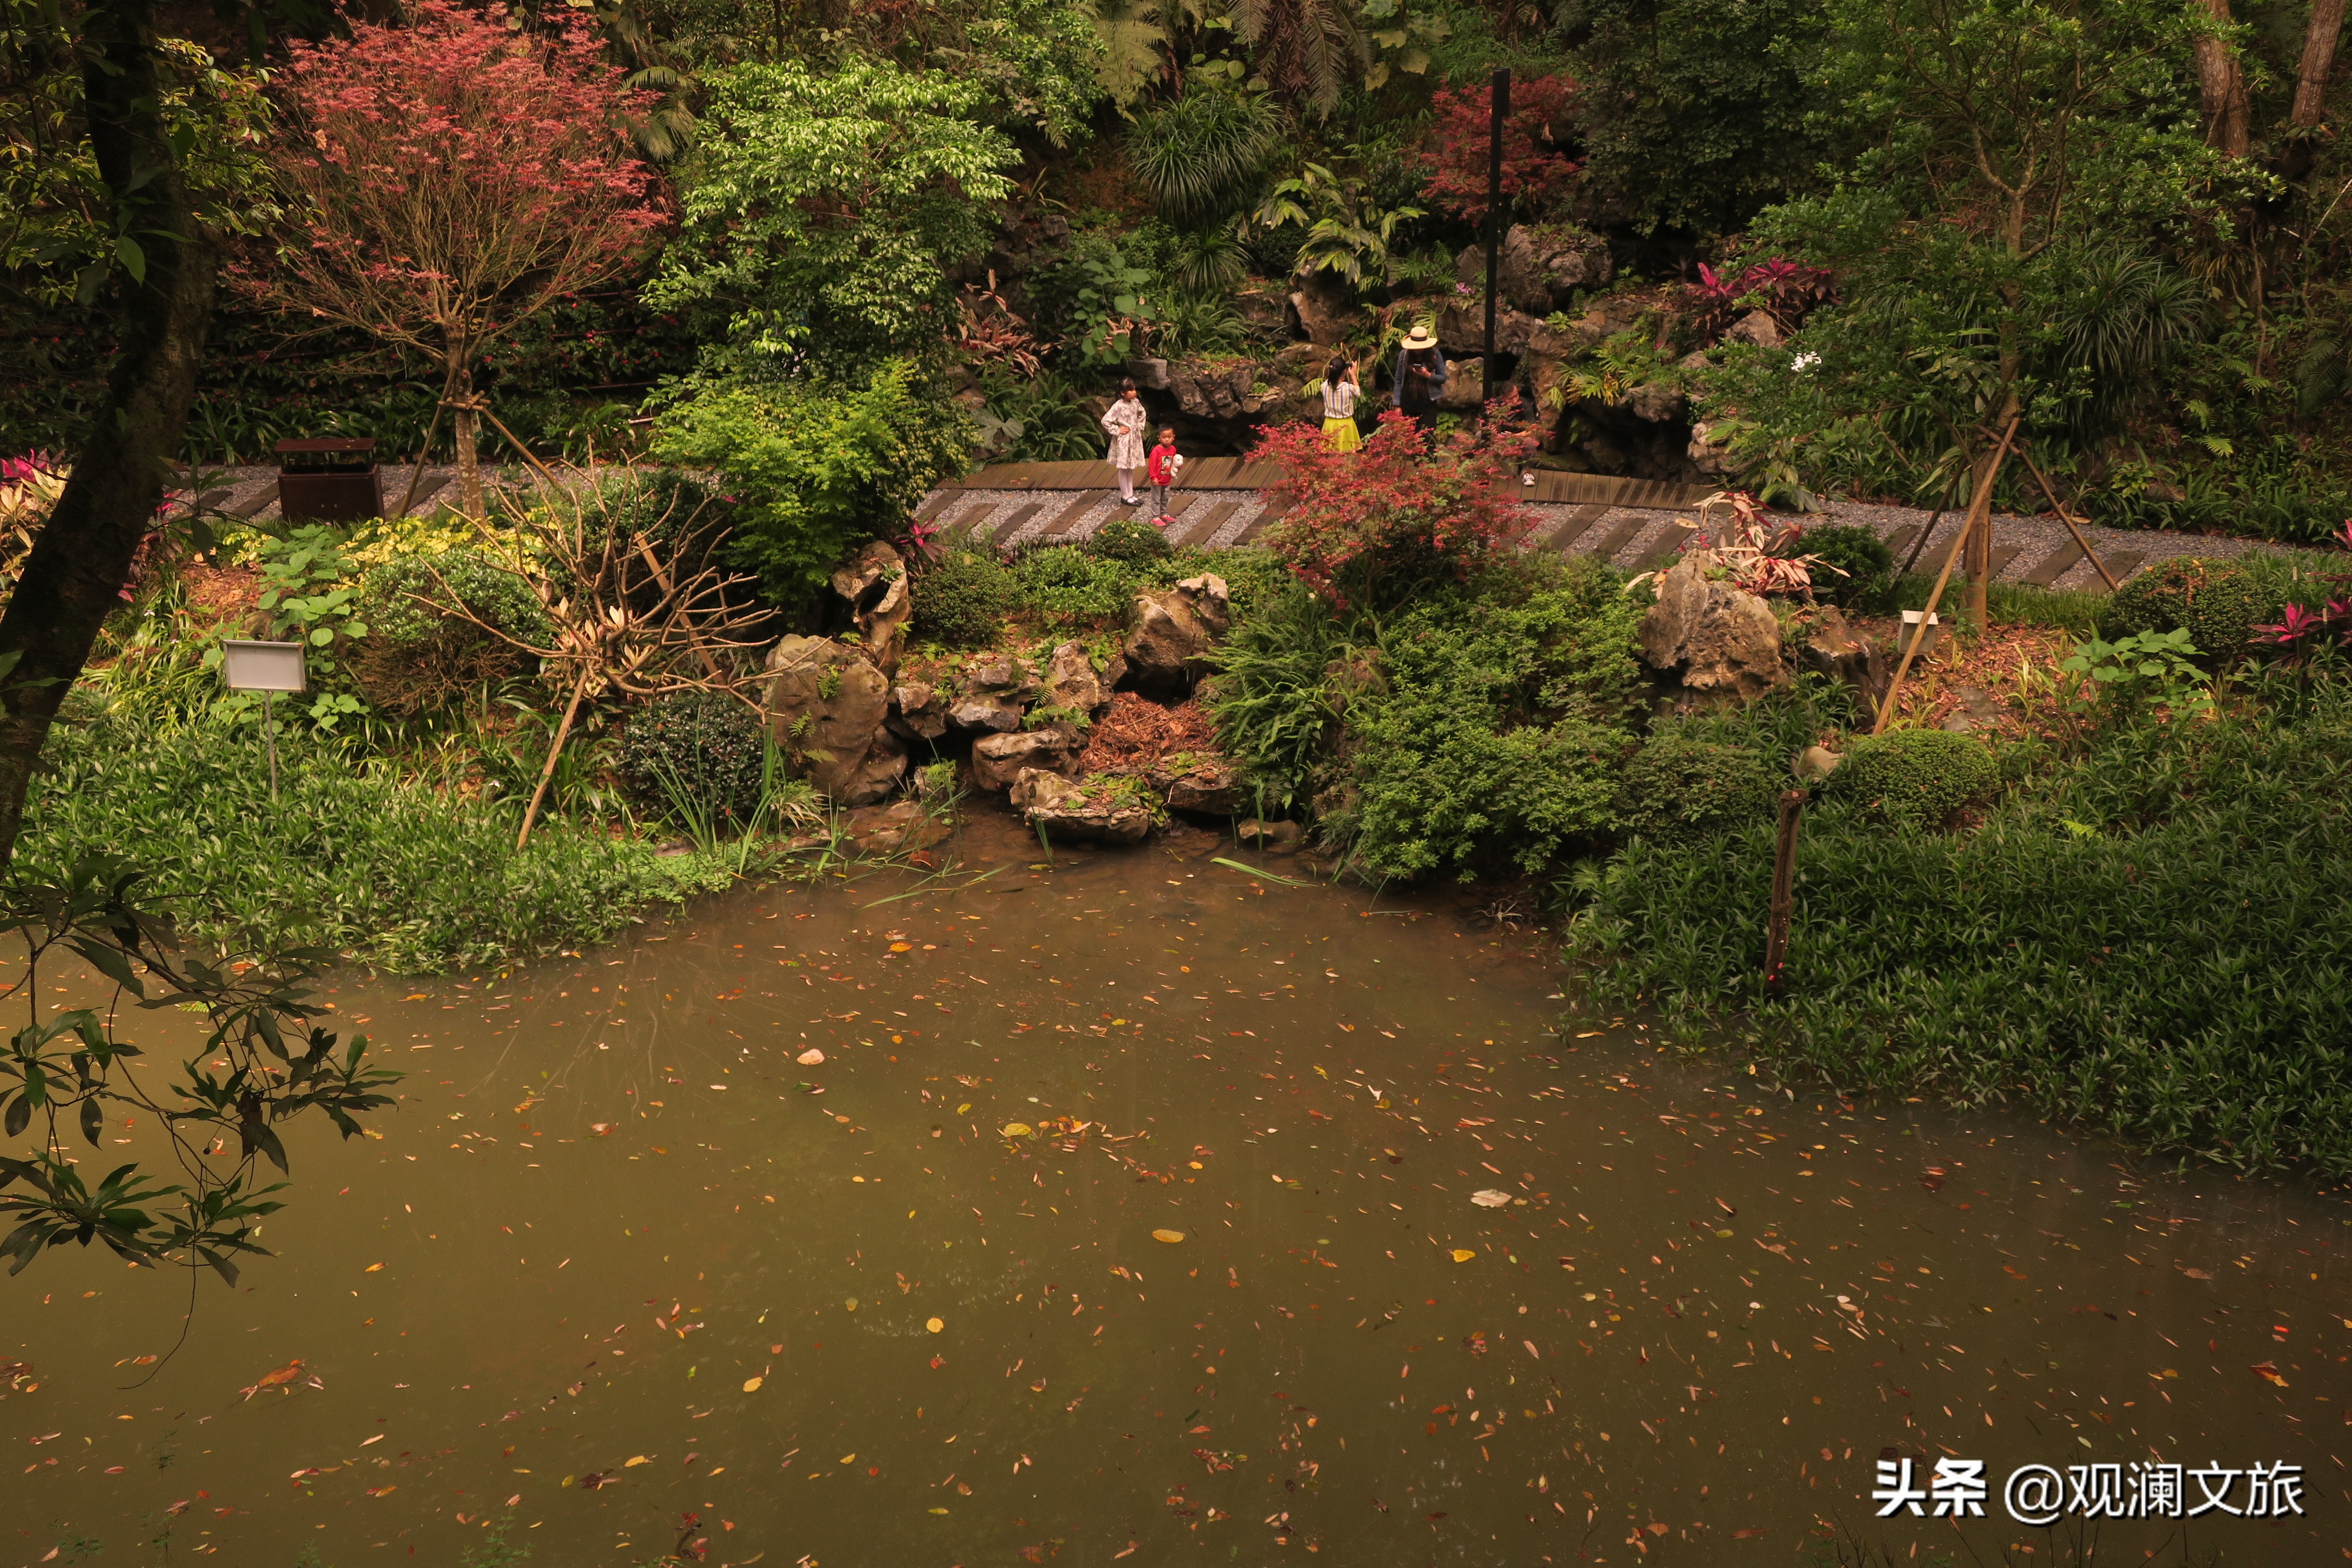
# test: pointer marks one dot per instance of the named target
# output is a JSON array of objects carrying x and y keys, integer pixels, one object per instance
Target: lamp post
[
  {"x": 1499, "y": 110},
  {"x": 269, "y": 667}
]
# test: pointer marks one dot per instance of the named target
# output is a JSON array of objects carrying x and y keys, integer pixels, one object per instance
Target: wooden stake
[
  {"x": 1980, "y": 505},
  {"x": 562, "y": 731},
  {"x": 1784, "y": 884},
  {"x": 2097, "y": 564}
]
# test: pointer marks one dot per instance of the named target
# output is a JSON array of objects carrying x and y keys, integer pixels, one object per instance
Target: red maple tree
[
  {"x": 1536, "y": 173},
  {"x": 1402, "y": 506},
  {"x": 455, "y": 178}
]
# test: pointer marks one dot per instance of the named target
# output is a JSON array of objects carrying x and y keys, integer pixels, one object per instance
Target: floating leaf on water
[
  {"x": 1462, "y": 1255},
  {"x": 2197, "y": 1274},
  {"x": 935, "y": 1324},
  {"x": 902, "y": 947},
  {"x": 1490, "y": 1198},
  {"x": 1171, "y": 1237},
  {"x": 371, "y": 1269},
  {"x": 810, "y": 1057},
  {"x": 964, "y": 1110},
  {"x": 2268, "y": 1373},
  {"x": 1016, "y": 1129},
  {"x": 602, "y": 1129},
  {"x": 751, "y": 1385},
  {"x": 851, "y": 1303},
  {"x": 634, "y": 1460}
]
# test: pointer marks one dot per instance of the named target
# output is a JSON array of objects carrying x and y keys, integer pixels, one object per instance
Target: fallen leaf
[
  {"x": 381, "y": 1491},
  {"x": 810, "y": 1057},
  {"x": 1490, "y": 1198},
  {"x": 902, "y": 947},
  {"x": 751, "y": 1385},
  {"x": 964, "y": 1110},
  {"x": 1747, "y": 1532},
  {"x": 1462, "y": 1255},
  {"x": 634, "y": 1460},
  {"x": 934, "y": 1324},
  {"x": 602, "y": 1130},
  {"x": 2197, "y": 1274},
  {"x": 1016, "y": 1129},
  {"x": 2268, "y": 1373},
  {"x": 371, "y": 1269},
  {"x": 1171, "y": 1236}
]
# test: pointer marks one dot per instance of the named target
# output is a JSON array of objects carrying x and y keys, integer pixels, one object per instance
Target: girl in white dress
[{"x": 1124, "y": 422}]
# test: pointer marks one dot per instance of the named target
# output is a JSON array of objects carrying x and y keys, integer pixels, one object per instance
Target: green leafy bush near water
[
  {"x": 705, "y": 748},
  {"x": 1679, "y": 788},
  {"x": 1916, "y": 778},
  {"x": 415, "y": 656},
  {"x": 2151, "y": 942},
  {"x": 349, "y": 855}
]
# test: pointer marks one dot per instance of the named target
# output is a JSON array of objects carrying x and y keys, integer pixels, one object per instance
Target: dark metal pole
[
  {"x": 1501, "y": 111},
  {"x": 1784, "y": 892}
]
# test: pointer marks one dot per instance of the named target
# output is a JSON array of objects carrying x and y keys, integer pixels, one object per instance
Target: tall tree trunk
[
  {"x": 462, "y": 426},
  {"x": 2310, "y": 110},
  {"x": 74, "y": 576},
  {"x": 2318, "y": 60},
  {"x": 2223, "y": 86}
]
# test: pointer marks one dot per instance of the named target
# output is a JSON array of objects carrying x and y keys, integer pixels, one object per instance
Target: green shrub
[
  {"x": 2217, "y": 602},
  {"x": 964, "y": 599},
  {"x": 1069, "y": 586},
  {"x": 816, "y": 466},
  {"x": 1859, "y": 552},
  {"x": 351, "y": 855},
  {"x": 1677, "y": 788},
  {"x": 1271, "y": 696},
  {"x": 1129, "y": 538},
  {"x": 1914, "y": 778},
  {"x": 2151, "y": 940},
  {"x": 703, "y": 746},
  {"x": 416, "y": 657},
  {"x": 1503, "y": 735}
]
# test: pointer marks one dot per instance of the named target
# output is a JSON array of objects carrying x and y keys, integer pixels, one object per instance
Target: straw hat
[{"x": 1419, "y": 338}]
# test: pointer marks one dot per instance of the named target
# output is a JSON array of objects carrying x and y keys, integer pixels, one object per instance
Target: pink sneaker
[{"x": 1163, "y": 519}]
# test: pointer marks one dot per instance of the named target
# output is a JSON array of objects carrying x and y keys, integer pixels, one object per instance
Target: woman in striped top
[{"x": 1340, "y": 390}]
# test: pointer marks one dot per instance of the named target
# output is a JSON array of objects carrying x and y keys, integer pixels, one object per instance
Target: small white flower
[{"x": 1804, "y": 362}]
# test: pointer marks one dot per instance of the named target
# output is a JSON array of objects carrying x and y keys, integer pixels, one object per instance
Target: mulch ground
[
  {"x": 223, "y": 593},
  {"x": 2001, "y": 663},
  {"x": 1137, "y": 731}
]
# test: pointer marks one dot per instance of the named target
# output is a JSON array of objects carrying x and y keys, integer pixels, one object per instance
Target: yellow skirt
[{"x": 1342, "y": 435}]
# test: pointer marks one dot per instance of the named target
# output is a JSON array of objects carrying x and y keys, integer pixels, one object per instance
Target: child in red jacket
[{"x": 1164, "y": 466}]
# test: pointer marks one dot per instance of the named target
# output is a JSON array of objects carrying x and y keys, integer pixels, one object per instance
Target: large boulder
[
  {"x": 1210, "y": 785},
  {"x": 1538, "y": 270},
  {"x": 992, "y": 693},
  {"x": 826, "y": 709},
  {"x": 1716, "y": 639},
  {"x": 1167, "y": 649},
  {"x": 1465, "y": 387},
  {"x": 1462, "y": 330},
  {"x": 1072, "y": 683},
  {"x": 1243, "y": 393},
  {"x": 1756, "y": 327},
  {"x": 1325, "y": 308},
  {"x": 918, "y": 710},
  {"x": 1099, "y": 811},
  {"x": 876, "y": 584},
  {"x": 999, "y": 761},
  {"x": 1709, "y": 450}
]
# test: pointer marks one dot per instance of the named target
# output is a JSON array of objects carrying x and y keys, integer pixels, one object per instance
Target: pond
[{"x": 1141, "y": 1207}]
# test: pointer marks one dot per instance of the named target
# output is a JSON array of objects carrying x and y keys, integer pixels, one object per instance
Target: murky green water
[{"x": 608, "y": 1239}]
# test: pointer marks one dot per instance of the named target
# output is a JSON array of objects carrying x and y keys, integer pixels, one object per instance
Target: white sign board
[{"x": 262, "y": 666}]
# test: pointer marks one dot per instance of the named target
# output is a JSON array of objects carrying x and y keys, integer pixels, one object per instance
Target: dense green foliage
[
  {"x": 1677, "y": 787},
  {"x": 964, "y": 599},
  {"x": 1914, "y": 778},
  {"x": 2217, "y": 602},
  {"x": 350, "y": 857},
  {"x": 2148, "y": 942},
  {"x": 1503, "y": 733},
  {"x": 416, "y": 656},
  {"x": 1858, "y": 569},
  {"x": 699, "y": 750},
  {"x": 814, "y": 467}
]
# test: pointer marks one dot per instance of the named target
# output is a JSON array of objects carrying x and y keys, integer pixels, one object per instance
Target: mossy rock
[
  {"x": 2217, "y": 602},
  {"x": 1679, "y": 789},
  {"x": 1914, "y": 778}
]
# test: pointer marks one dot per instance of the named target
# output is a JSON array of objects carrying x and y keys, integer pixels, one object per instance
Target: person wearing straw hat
[{"x": 1419, "y": 378}]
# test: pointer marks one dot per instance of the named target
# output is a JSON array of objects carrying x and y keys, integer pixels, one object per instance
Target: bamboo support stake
[
  {"x": 1979, "y": 508},
  {"x": 562, "y": 732},
  {"x": 2097, "y": 564},
  {"x": 1784, "y": 886}
]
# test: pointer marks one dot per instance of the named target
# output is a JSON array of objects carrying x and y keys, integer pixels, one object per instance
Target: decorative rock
[
  {"x": 1756, "y": 327},
  {"x": 1538, "y": 270},
  {"x": 1094, "y": 813},
  {"x": 1210, "y": 785},
  {"x": 827, "y": 705},
  {"x": 984, "y": 715},
  {"x": 1326, "y": 311},
  {"x": 1273, "y": 837},
  {"x": 1835, "y": 649},
  {"x": 901, "y": 825},
  {"x": 1657, "y": 401},
  {"x": 918, "y": 712},
  {"x": 1172, "y": 633},
  {"x": 1150, "y": 375},
  {"x": 1465, "y": 387},
  {"x": 876, "y": 584},
  {"x": 999, "y": 761},
  {"x": 1974, "y": 707},
  {"x": 1071, "y": 681},
  {"x": 1462, "y": 330},
  {"x": 992, "y": 693},
  {"x": 1707, "y": 454},
  {"x": 1814, "y": 763},
  {"x": 1716, "y": 638}
]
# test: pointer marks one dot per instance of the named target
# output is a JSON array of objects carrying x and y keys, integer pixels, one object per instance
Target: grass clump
[
  {"x": 351, "y": 856},
  {"x": 1914, "y": 778}
]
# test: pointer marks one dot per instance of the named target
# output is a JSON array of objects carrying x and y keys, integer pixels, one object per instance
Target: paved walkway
[{"x": 1637, "y": 524}]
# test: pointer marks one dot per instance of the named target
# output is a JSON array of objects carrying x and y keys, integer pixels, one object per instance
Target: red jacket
[{"x": 1157, "y": 465}]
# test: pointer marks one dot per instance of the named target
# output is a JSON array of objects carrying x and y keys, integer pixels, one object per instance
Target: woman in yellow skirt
[{"x": 1339, "y": 392}]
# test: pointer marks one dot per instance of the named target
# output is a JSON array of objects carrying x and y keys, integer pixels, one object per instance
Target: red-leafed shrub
[
  {"x": 454, "y": 179},
  {"x": 1785, "y": 291},
  {"x": 1536, "y": 173},
  {"x": 1399, "y": 510}
]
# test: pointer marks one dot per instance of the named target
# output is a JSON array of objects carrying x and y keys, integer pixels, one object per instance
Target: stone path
[{"x": 1637, "y": 524}]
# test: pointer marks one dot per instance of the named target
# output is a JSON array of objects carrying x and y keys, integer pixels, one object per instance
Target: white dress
[{"x": 1124, "y": 423}]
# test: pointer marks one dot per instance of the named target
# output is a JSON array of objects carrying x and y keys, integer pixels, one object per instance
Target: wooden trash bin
[{"x": 329, "y": 479}]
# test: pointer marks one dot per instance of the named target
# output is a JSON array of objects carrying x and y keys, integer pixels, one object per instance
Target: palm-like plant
[
  {"x": 1201, "y": 156},
  {"x": 1306, "y": 49},
  {"x": 2133, "y": 311},
  {"x": 1346, "y": 234}
]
